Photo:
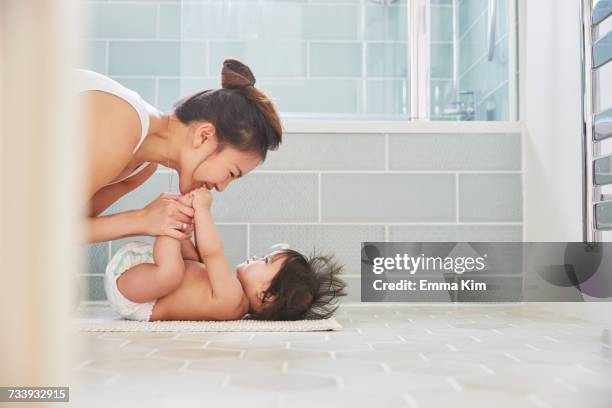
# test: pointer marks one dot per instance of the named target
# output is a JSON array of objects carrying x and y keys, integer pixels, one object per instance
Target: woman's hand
[{"x": 167, "y": 215}]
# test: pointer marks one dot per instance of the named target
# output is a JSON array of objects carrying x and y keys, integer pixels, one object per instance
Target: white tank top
[{"x": 93, "y": 81}]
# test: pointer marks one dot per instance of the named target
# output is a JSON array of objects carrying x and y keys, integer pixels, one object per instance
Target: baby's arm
[
  {"x": 146, "y": 282},
  {"x": 225, "y": 285}
]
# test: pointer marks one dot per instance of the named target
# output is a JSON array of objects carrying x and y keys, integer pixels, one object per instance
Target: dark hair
[
  {"x": 242, "y": 115},
  {"x": 303, "y": 288}
]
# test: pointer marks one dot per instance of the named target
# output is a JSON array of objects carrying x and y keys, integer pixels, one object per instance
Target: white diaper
[{"x": 132, "y": 253}]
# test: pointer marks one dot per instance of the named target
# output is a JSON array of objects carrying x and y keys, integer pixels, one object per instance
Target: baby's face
[{"x": 256, "y": 275}]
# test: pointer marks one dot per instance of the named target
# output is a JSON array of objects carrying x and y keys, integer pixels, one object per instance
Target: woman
[{"x": 211, "y": 138}]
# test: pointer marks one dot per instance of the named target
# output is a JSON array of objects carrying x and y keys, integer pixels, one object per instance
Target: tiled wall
[
  {"x": 323, "y": 56},
  {"x": 332, "y": 191}
]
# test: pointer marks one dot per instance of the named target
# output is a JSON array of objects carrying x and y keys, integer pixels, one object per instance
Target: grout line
[
  {"x": 386, "y": 171},
  {"x": 457, "y": 197},
  {"x": 248, "y": 240},
  {"x": 386, "y": 152},
  {"x": 320, "y": 181},
  {"x": 377, "y": 224}
]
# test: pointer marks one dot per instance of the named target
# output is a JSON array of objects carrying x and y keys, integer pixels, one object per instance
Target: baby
[{"x": 175, "y": 280}]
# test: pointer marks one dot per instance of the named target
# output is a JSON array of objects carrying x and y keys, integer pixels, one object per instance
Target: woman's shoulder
[{"x": 112, "y": 131}]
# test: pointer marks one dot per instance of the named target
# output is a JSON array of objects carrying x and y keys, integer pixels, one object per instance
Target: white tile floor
[{"x": 387, "y": 356}]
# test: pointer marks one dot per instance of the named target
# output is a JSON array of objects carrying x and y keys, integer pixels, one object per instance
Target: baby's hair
[{"x": 304, "y": 288}]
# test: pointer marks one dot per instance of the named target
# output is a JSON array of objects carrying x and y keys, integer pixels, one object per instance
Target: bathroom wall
[
  {"x": 331, "y": 56},
  {"x": 322, "y": 190},
  {"x": 332, "y": 191}
]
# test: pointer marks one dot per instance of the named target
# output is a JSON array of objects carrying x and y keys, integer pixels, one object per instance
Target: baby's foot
[{"x": 186, "y": 199}]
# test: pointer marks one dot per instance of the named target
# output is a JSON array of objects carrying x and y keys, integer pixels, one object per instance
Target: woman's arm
[{"x": 109, "y": 194}]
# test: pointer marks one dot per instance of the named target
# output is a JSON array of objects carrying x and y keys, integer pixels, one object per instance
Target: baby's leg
[{"x": 146, "y": 282}]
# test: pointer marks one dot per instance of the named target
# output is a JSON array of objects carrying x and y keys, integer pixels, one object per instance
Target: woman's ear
[
  {"x": 205, "y": 139},
  {"x": 205, "y": 134}
]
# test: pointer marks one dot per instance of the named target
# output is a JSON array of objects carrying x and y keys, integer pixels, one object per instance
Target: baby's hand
[
  {"x": 202, "y": 198},
  {"x": 186, "y": 199}
]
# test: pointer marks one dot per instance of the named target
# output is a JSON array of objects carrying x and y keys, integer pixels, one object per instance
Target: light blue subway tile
[
  {"x": 335, "y": 59},
  {"x": 122, "y": 20},
  {"x": 455, "y": 233},
  {"x": 220, "y": 20},
  {"x": 266, "y": 58},
  {"x": 341, "y": 241},
  {"x": 490, "y": 198},
  {"x": 173, "y": 89},
  {"x": 193, "y": 58},
  {"x": 330, "y": 22},
  {"x": 280, "y": 20},
  {"x": 387, "y": 96},
  {"x": 455, "y": 152},
  {"x": 388, "y": 197},
  {"x": 323, "y": 151},
  {"x": 441, "y": 61},
  {"x": 145, "y": 58},
  {"x": 170, "y": 21},
  {"x": 97, "y": 258},
  {"x": 145, "y": 87},
  {"x": 386, "y": 23},
  {"x": 314, "y": 95},
  {"x": 387, "y": 60},
  {"x": 442, "y": 23},
  {"x": 92, "y": 288},
  {"x": 95, "y": 56},
  {"x": 268, "y": 197}
]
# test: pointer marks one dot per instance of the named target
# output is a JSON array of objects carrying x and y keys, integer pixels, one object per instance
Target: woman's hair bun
[{"x": 236, "y": 75}]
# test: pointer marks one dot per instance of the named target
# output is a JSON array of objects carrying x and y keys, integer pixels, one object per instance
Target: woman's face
[{"x": 208, "y": 166}]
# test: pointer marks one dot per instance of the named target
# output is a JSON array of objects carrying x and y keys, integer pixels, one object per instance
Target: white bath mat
[{"x": 114, "y": 325}]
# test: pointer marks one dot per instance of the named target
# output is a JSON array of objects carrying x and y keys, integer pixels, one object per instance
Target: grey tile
[
  {"x": 335, "y": 59},
  {"x": 388, "y": 197},
  {"x": 322, "y": 151},
  {"x": 122, "y": 20},
  {"x": 235, "y": 242},
  {"x": 97, "y": 257},
  {"x": 455, "y": 152},
  {"x": 490, "y": 197},
  {"x": 157, "y": 184},
  {"x": 341, "y": 241},
  {"x": 268, "y": 197},
  {"x": 95, "y": 56},
  {"x": 92, "y": 287},
  {"x": 456, "y": 233},
  {"x": 145, "y": 58}
]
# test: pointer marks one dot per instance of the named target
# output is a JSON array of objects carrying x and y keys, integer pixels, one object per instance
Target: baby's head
[{"x": 285, "y": 285}]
